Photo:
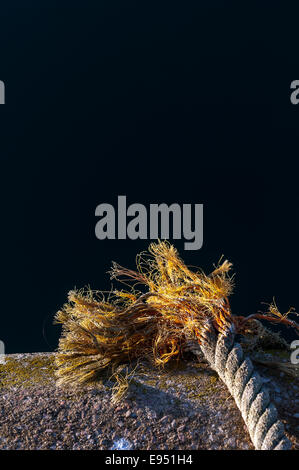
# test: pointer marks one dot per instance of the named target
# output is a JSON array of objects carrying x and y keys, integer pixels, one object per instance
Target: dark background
[{"x": 161, "y": 102}]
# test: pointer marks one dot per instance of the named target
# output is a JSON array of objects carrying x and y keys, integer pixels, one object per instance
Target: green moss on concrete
[
  {"x": 278, "y": 353},
  {"x": 26, "y": 372},
  {"x": 197, "y": 383}
]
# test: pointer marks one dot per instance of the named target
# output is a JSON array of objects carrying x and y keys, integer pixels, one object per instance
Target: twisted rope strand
[{"x": 245, "y": 384}]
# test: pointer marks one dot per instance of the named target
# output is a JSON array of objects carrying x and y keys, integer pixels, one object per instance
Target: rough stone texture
[{"x": 185, "y": 406}]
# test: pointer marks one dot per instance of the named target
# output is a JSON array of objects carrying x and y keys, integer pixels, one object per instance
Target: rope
[{"x": 226, "y": 357}]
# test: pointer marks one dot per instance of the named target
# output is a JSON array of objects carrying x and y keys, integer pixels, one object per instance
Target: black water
[{"x": 174, "y": 103}]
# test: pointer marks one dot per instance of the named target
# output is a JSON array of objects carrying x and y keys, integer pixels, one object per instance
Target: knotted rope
[
  {"x": 179, "y": 305},
  {"x": 226, "y": 357}
]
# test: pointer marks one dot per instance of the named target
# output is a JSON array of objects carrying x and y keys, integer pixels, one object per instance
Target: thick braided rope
[{"x": 245, "y": 385}]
